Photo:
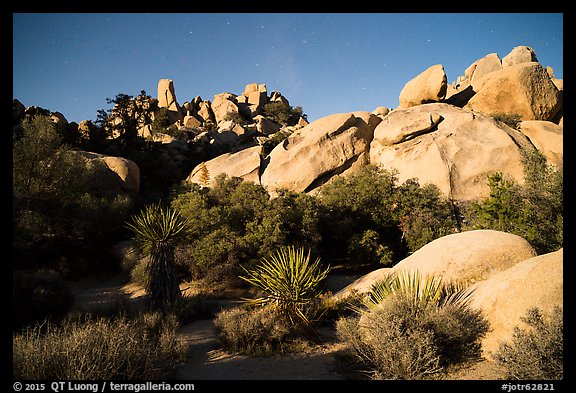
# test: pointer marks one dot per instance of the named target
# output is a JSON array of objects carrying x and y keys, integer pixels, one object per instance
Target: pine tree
[{"x": 204, "y": 175}]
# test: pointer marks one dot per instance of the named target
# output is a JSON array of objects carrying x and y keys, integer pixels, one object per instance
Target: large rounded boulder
[
  {"x": 324, "y": 148},
  {"x": 505, "y": 297},
  {"x": 525, "y": 89},
  {"x": 450, "y": 147},
  {"x": 113, "y": 174},
  {"x": 428, "y": 86},
  {"x": 467, "y": 257},
  {"x": 244, "y": 164}
]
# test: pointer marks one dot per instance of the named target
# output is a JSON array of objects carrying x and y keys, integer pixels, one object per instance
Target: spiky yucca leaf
[
  {"x": 155, "y": 225},
  {"x": 418, "y": 289},
  {"x": 289, "y": 281}
]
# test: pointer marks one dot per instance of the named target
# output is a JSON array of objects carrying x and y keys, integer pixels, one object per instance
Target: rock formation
[
  {"x": 440, "y": 134},
  {"x": 547, "y": 137},
  {"x": 244, "y": 164},
  {"x": 525, "y": 89},
  {"x": 114, "y": 173},
  {"x": 167, "y": 99}
]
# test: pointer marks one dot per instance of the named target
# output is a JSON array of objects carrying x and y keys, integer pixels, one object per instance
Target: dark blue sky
[{"x": 324, "y": 62}]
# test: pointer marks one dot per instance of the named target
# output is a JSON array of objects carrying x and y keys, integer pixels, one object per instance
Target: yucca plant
[
  {"x": 289, "y": 282},
  {"x": 419, "y": 290},
  {"x": 413, "y": 326},
  {"x": 156, "y": 229}
]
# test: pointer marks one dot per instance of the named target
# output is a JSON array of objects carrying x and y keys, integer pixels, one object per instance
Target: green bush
[
  {"x": 510, "y": 119},
  {"x": 368, "y": 246},
  {"x": 356, "y": 204},
  {"x": 237, "y": 118},
  {"x": 161, "y": 121},
  {"x": 237, "y": 221},
  {"x": 49, "y": 178},
  {"x": 422, "y": 214},
  {"x": 535, "y": 353},
  {"x": 367, "y": 218},
  {"x": 213, "y": 258},
  {"x": 274, "y": 140},
  {"x": 146, "y": 348}
]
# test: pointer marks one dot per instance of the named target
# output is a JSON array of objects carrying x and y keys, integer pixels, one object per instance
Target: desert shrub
[
  {"x": 289, "y": 283},
  {"x": 510, "y": 119},
  {"x": 237, "y": 118},
  {"x": 388, "y": 351},
  {"x": 413, "y": 327},
  {"x": 533, "y": 210},
  {"x": 457, "y": 333},
  {"x": 543, "y": 211},
  {"x": 213, "y": 258},
  {"x": 161, "y": 122},
  {"x": 288, "y": 219},
  {"x": 537, "y": 352},
  {"x": 145, "y": 348},
  {"x": 354, "y": 205},
  {"x": 368, "y": 246},
  {"x": 282, "y": 113},
  {"x": 237, "y": 221},
  {"x": 251, "y": 331},
  {"x": 376, "y": 221},
  {"x": 502, "y": 210},
  {"x": 195, "y": 203},
  {"x": 274, "y": 140},
  {"x": 39, "y": 295},
  {"x": 140, "y": 273},
  {"x": 422, "y": 214}
]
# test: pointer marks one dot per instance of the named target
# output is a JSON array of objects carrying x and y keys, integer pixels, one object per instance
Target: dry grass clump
[
  {"x": 260, "y": 331},
  {"x": 143, "y": 348}
]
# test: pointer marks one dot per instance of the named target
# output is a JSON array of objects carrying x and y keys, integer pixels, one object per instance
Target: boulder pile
[{"x": 451, "y": 135}]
